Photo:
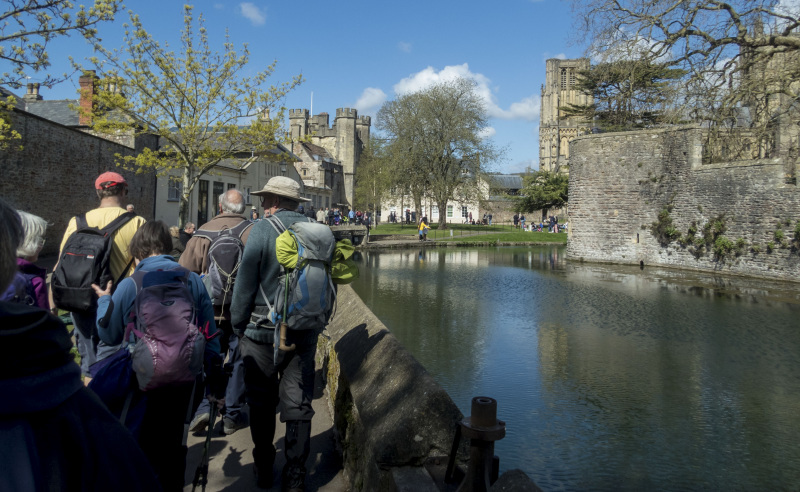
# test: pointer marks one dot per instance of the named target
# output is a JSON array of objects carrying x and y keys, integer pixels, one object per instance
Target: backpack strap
[
  {"x": 115, "y": 224},
  {"x": 80, "y": 222},
  {"x": 276, "y": 224},
  {"x": 237, "y": 230}
]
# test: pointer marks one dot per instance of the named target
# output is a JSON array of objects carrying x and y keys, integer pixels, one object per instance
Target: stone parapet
[{"x": 387, "y": 409}]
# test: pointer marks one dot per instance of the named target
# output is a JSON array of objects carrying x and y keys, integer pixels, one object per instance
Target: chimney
[
  {"x": 264, "y": 116},
  {"x": 86, "y": 82},
  {"x": 33, "y": 93}
]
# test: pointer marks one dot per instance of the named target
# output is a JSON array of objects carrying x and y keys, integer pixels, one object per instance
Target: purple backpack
[
  {"x": 169, "y": 346},
  {"x": 21, "y": 289}
]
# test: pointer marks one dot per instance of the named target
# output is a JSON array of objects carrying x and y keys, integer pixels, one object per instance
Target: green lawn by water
[{"x": 472, "y": 233}]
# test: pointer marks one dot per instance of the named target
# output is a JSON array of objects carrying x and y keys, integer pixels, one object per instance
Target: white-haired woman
[{"x": 35, "y": 282}]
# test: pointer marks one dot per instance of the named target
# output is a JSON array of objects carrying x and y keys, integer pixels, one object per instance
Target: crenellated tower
[{"x": 344, "y": 140}]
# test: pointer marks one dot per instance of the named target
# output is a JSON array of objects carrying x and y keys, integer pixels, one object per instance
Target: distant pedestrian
[
  {"x": 130, "y": 208},
  {"x": 187, "y": 232},
  {"x": 516, "y": 221},
  {"x": 490, "y": 219}
]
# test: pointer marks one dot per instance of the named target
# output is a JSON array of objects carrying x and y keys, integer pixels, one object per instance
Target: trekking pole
[
  {"x": 201, "y": 474},
  {"x": 284, "y": 326}
]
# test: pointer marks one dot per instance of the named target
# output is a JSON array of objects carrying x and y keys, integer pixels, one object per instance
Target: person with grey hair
[
  {"x": 34, "y": 279},
  {"x": 56, "y": 434},
  {"x": 197, "y": 258}
]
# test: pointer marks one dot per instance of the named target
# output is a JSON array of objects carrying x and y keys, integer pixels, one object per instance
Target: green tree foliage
[
  {"x": 627, "y": 94},
  {"x": 542, "y": 190},
  {"x": 437, "y": 136},
  {"x": 373, "y": 177},
  {"x": 205, "y": 107},
  {"x": 28, "y": 26}
]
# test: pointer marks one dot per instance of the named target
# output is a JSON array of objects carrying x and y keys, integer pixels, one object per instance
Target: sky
[{"x": 360, "y": 54}]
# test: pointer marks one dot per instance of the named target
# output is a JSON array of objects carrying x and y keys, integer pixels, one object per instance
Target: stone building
[
  {"x": 555, "y": 130},
  {"x": 344, "y": 141},
  {"x": 322, "y": 176}
]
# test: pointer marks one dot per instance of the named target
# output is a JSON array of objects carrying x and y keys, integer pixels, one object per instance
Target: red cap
[{"x": 109, "y": 179}]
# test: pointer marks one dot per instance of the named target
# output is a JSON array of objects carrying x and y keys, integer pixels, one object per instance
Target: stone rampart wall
[
  {"x": 53, "y": 175},
  {"x": 387, "y": 409},
  {"x": 620, "y": 182}
]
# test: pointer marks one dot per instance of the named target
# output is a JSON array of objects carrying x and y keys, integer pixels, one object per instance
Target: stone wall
[
  {"x": 619, "y": 182},
  {"x": 388, "y": 411},
  {"x": 53, "y": 175}
]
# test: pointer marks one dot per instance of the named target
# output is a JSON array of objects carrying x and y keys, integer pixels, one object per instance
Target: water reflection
[{"x": 607, "y": 377}]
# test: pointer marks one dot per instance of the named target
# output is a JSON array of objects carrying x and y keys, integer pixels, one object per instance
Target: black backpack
[
  {"x": 224, "y": 258},
  {"x": 86, "y": 260}
]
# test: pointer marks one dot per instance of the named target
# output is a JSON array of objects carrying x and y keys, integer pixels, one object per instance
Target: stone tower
[
  {"x": 344, "y": 140},
  {"x": 555, "y": 130}
]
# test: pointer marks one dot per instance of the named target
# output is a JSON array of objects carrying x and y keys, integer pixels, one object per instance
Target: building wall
[
  {"x": 251, "y": 178},
  {"x": 556, "y": 131},
  {"x": 344, "y": 140},
  {"x": 53, "y": 175},
  {"x": 619, "y": 182}
]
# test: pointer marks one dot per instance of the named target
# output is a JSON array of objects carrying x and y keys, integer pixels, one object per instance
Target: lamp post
[{"x": 283, "y": 167}]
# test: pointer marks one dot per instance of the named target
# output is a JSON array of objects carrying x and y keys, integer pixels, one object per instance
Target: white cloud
[
  {"x": 253, "y": 13},
  {"x": 370, "y": 100},
  {"x": 487, "y": 132},
  {"x": 404, "y": 47},
  {"x": 219, "y": 6},
  {"x": 526, "y": 109}
]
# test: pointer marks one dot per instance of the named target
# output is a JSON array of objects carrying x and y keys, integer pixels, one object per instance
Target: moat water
[{"x": 608, "y": 377}]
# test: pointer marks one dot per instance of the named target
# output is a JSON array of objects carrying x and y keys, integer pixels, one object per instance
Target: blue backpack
[{"x": 305, "y": 294}]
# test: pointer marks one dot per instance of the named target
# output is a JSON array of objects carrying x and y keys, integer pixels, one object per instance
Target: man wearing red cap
[{"x": 111, "y": 189}]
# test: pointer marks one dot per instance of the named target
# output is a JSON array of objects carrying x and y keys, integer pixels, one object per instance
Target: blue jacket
[{"x": 125, "y": 294}]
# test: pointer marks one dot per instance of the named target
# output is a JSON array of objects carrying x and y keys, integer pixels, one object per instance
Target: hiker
[
  {"x": 196, "y": 259},
  {"x": 56, "y": 435},
  {"x": 294, "y": 389},
  {"x": 254, "y": 215},
  {"x": 111, "y": 189},
  {"x": 187, "y": 232},
  {"x": 29, "y": 285},
  {"x": 161, "y": 429}
]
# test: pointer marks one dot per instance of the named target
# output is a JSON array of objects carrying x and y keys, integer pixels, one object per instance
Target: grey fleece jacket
[{"x": 259, "y": 268}]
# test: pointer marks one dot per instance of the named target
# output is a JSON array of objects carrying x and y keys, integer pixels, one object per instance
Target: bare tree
[{"x": 740, "y": 56}]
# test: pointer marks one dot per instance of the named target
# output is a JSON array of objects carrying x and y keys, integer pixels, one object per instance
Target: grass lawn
[
  {"x": 458, "y": 229},
  {"x": 506, "y": 237}
]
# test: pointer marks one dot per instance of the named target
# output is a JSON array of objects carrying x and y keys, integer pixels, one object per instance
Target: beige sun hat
[{"x": 282, "y": 186}]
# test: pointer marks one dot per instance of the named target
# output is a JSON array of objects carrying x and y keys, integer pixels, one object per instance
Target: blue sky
[{"x": 356, "y": 53}]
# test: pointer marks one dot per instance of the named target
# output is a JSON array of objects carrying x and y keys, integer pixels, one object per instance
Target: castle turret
[
  {"x": 298, "y": 122},
  {"x": 347, "y": 147}
]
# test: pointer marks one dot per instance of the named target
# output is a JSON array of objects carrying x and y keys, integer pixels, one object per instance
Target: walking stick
[{"x": 201, "y": 474}]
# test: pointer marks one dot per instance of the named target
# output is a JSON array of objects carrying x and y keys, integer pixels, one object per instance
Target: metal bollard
[{"x": 483, "y": 429}]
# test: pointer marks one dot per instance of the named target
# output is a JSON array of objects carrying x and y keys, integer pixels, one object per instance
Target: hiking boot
[
  {"x": 229, "y": 425},
  {"x": 199, "y": 422},
  {"x": 263, "y": 476}
]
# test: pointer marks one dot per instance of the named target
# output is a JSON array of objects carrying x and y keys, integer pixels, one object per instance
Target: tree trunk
[{"x": 442, "y": 215}]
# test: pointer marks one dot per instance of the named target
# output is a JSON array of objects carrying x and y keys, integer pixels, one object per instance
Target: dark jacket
[
  {"x": 258, "y": 272},
  {"x": 185, "y": 236},
  {"x": 56, "y": 433}
]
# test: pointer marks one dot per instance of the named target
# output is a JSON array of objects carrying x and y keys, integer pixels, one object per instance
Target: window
[
  {"x": 449, "y": 211},
  {"x": 219, "y": 188},
  {"x": 434, "y": 211},
  {"x": 247, "y": 196},
  {"x": 202, "y": 203},
  {"x": 231, "y": 186},
  {"x": 175, "y": 189},
  {"x": 464, "y": 212}
]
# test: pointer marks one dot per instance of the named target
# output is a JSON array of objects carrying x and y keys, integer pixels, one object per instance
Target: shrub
[
  {"x": 779, "y": 235},
  {"x": 770, "y": 247},
  {"x": 663, "y": 229},
  {"x": 723, "y": 247}
]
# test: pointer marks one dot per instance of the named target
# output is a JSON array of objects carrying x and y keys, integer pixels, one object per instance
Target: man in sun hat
[
  {"x": 257, "y": 278},
  {"x": 111, "y": 189}
]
